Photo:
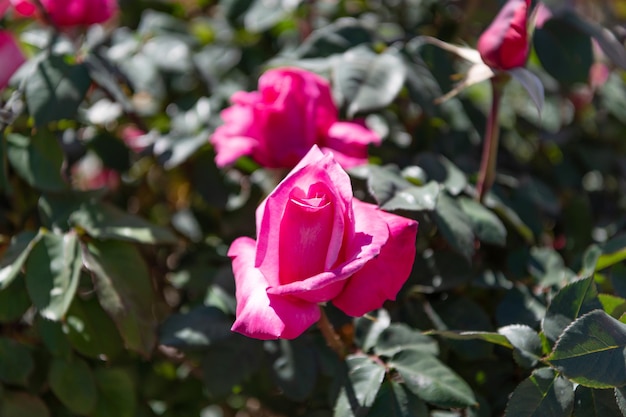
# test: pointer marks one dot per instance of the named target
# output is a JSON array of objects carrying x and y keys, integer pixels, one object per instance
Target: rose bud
[{"x": 504, "y": 45}]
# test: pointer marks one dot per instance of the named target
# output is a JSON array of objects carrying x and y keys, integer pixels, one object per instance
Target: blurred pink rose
[
  {"x": 89, "y": 173},
  {"x": 504, "y": 44},
  {"x": 277, "y": 125},
  {"x": 11, "y": 57},
  {"x": 316, "y": 243},
  {"x": 66, "y": 13}
]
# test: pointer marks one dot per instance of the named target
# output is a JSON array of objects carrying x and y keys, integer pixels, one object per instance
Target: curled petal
[
  {"x": 381, "y": 278},
  {"x": 259, "y": 314},
  {"x": 348, "y": 141},
  {"x": 234, "y": 140}
]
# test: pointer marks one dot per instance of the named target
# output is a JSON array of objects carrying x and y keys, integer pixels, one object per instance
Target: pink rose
[
  {"x": 316, "y": 243},
  {"x": 277, "y": 125},
  {"x": 65, "y": 13},
  {"x": 11, "y": 57},
  {"x": 504, "y": 45}
]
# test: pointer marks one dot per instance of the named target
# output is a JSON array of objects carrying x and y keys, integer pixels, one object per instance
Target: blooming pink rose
[
  {"x": 504, "y": 45},
  {"x": 277, "y": 125},
  {"x": 11, "y": 57},
  {"x": 316, "y": 243},
  {"x": 66, "y": 13}
]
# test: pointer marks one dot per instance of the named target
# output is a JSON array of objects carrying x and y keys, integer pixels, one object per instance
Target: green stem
[
  {"x": 332, "y": 338},
  {"x": 487, "y": 172}
]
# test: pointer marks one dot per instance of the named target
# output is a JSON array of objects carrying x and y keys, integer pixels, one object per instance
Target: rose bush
[
  {"x": 66, "y": 13},
  {"x": 504, "y": 44},
  {"x": 316, "y": 243},
  {"x": 277, "y": 125}
]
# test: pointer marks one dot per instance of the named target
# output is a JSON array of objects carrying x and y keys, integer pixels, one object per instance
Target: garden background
[{"x": 117, "y": 296}]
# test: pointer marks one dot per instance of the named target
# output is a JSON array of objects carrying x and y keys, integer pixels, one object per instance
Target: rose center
[{"x": 305, "y": 232}]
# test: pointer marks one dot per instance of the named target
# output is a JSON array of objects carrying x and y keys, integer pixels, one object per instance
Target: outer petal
[
  {"x": 348, "y": 141},
  {"x": 236, "y": 137},
  {"x": 504, "y": 44},
  {"x": 260, "y": 315},
  {"x": 4, "y": 5},
  {"x": 24, "y": 7},
  {"x": 382, "y": 277},
  {"x": 11, "y": 58}
]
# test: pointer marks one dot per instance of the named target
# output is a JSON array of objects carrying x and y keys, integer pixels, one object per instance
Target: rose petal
[
  {"x": 305, "y": 232},
  {"x": 314, "y": 168},
  {"x": 348, "y": 142},
  {"x": 11, "y": 57},
  {"x": 233, "y": 140},
  {"x": 382, "y": 277},
  {"x": 504, "y": 44},
  {"x": 260, "y": 315},
  {"x": 370, "y": 235}
]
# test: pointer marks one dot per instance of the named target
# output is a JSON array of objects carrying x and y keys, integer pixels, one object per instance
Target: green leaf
[
  {"x": 620, "y": 398},
  {"x": 490, "y": 337},
  {"x": 454, "y": 225},
  {"x": 56, "y": 89},
  {"x": 52, "y": 273},
  {"x": 440, "y": 169},
  {"x": 571, "y": 302},
  {"x": 116, "y": 393},
  {"x": 384, "y": 183},
  {"x": 22, "y": 404},
  {"x": 264, "y": 15},
  {"x": 564, "y": 51},
  {"x": 124, "y": 289},
  {"x": 531, "y": 83},
  {"x": 613, "y": 252},
  {"x": 16, "y": 362},
  {"x": 368, "y": 81},
  {"x": 526, "y": 343},
  {"x": 367, "y": 328},
  {"x": 431, "y": 380},
  {"x": 359, "y": 390},
  {"x": 53, "y": 338},
  {"x": 73, "y": 383},
  {"x": 414, "y": 198},
  {"x": 613, "y": 305},
  {"x": 105, "y": 221},
  {"x": 543, "y": 394},
  {"x": 91, "y": 331},
  {"x": 14, "y": 300},
  {"x": 486, "y": 225},
  {"x": 38, "y": 160},
  {"x": 294, "y": 368},
  {"x": 393, "y": 400},
  {"x": 399, "y": 336},
  {"x": 199, "y": 328},
  {"x": 335, "y": 38},
  {"x": 591, "y": 350},
  {"x": 591, "y": 402},
  {"x": 219, "y": 374},
  {"x": 547, "y": 266}
]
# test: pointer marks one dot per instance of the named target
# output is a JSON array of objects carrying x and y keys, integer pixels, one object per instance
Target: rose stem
[
  {"x": 487, "y": 172},
  {"x": 332, "y": 338}
]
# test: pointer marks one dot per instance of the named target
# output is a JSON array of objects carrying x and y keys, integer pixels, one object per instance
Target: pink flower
[
  {"x": 11, "y": 58},
  {"x": 316, "y": 243},
  {"x": 277, "y": 125},
  {"x": 65, "y": 13},
  {"x": 504, "y": 45}
]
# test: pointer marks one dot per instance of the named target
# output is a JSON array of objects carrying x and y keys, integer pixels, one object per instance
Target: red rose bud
[{"x": 504, "y": 45}]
